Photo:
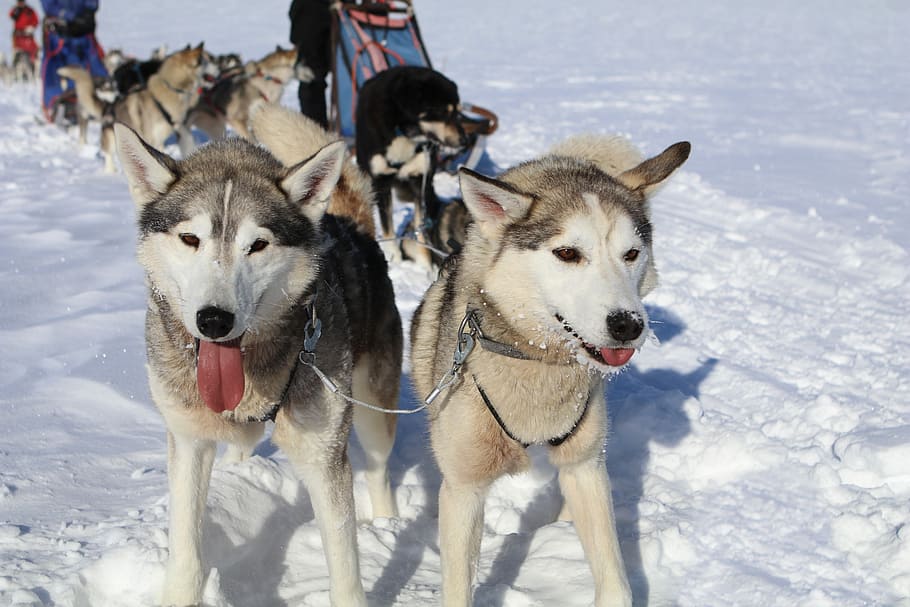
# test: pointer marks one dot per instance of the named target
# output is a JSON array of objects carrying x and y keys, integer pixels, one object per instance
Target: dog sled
[{"x": 371, "y": 37}]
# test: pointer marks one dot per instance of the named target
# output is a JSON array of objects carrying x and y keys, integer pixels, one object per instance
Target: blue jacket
[
  {"x": 67, "y": 9},
  {"x": 67, "y": 49}
]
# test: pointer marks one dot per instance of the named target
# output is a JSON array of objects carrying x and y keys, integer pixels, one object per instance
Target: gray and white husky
[
  {"x": 519, "y": 331},
  {"x": 253, "y": 287}
]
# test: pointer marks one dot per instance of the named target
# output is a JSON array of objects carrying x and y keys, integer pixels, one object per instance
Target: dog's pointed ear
[
  {"x": 649, "y": 174},
  {"x": 493, "y": 204},
  {"x": 148, "y": 172},
  {"x": 311, "y": 183}
]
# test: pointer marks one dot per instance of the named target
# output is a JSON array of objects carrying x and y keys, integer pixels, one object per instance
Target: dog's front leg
[
  {"x": 460, "y": 526},
  {"x": 189, "y": 471},
  {"x": 82, "y": 121},
  {"x": 320, "y": 459},
  {"x": 587, "y": 491},
  {"x": 331, "y": 493}
]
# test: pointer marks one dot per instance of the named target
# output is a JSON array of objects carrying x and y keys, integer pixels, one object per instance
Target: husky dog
[
  {"x": 114, "y": 58},
  {"x": 228, "y": 62},
  {"x": 447, "y": 232},
  {"x": 230, "y": 101},
  {"x": 161, "y": 52},
  {"x": 6, "y": 74},
  {"x": 24, "y": 69},
  {"x": 94, "y": 96},
  {"x": 252, "y": 288},
  {"x": 404, "y": 114},
  {"x": 543, "y": 301},
  {"x": 159, "y": 110},
  {"x": 133, "y": 74}
]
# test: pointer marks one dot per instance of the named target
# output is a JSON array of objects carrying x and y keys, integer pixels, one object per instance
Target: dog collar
[
  {"x": 177, "y": 90},
  {"x": 268, "y": 77},
  {"x": 473, "y": 322}
]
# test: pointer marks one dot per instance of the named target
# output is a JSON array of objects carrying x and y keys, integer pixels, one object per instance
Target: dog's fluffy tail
[
  {"x": 613, "y": 154},
  {"x": 292, "y": 138},
  {"x": 85, "y": 90}
]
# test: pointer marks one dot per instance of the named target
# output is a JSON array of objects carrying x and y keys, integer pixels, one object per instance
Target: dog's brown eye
[
  {"x": 258, "y": 245},
  {"x": 631, "y": 255},
  {"x": 190, "y": 240},
  {"x": 567, "y": 254}
]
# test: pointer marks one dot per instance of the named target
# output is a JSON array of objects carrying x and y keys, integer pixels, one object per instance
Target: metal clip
[
  {"x": 311, "y": 334},
  {"x": 462, "y": 349},
  {"x": 465, "y": 342},
  {"x": 447, "y": 380}
]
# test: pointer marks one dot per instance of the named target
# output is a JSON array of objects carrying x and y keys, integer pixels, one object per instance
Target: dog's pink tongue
[
  {"x": 219, "y": 373},
  {"x": 616, "y": 357}
]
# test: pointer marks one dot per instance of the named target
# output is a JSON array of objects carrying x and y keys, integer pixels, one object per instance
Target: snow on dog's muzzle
[{"x": 626, "y": 326}]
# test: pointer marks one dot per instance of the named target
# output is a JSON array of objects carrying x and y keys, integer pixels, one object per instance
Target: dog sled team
[
  {"x": 165, "y": 99},
  {"x": 269, "y": 298}
]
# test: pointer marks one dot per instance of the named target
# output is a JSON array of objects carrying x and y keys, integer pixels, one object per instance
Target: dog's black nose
[
  {"x": 214, "y": 322},
  {"x": 624, "y": 325}
]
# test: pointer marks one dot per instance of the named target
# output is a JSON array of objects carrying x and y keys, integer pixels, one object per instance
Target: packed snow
[{"x": 760, "y": 453}]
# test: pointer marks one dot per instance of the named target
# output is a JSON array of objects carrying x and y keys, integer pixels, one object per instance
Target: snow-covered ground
[{"x": 760, "y": 455}]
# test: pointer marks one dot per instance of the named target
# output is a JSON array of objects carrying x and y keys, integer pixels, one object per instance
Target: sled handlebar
[
  {"x": 377, "y": 8},
  {"x": 485, "y": 125}
]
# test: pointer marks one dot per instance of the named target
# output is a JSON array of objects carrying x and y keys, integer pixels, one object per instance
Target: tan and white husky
[{"x": 543, "y": 301}]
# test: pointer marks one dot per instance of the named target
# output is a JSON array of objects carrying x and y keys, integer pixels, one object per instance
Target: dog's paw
[
  {"x": 400, "y": 150},
  {"x": 418, "y": 166},
  {"x": 379, "y": 166}
]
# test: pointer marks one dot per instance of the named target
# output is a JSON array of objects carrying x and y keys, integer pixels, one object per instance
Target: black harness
[
  {"x": 553, "y": 442},
  {"x": 502, "y": 349},
  {"x": 312, "y": 331},
  {"x": 167, "y": 115}
]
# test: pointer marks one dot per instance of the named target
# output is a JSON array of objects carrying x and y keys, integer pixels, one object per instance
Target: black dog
[
  {"x": 405, "y": 115},
  {"x": 134, "y": 74}
]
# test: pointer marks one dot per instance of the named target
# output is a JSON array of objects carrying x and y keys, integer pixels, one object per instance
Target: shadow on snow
[{"x": 644, "y": 408}]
